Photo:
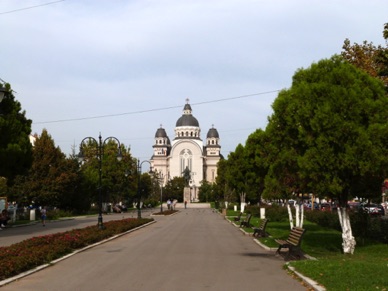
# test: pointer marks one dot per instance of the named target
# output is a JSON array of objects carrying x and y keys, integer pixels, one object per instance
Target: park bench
[
  {"x": 292, "y": 243},
  {"x": 238, "y": 218},
  {"x": 260, "y": 231},
  {"x": 247, "y": 221}
]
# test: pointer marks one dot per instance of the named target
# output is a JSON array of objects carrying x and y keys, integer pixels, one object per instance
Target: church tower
[{"x": 187, "y": 152}]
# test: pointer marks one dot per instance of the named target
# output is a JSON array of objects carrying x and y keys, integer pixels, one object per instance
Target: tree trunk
[
  {"x": 348, "y": 241},
  {"x": 242, "y": 201},
  {"x": 301, "y": 215},
  {"x": 290, "y": 216},
  {"x": 297, "y": 213}
]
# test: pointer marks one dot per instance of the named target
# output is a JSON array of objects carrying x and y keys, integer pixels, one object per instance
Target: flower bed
[
  {"x": 30, "y": 253},
  {"x": 165, "y": 212}
]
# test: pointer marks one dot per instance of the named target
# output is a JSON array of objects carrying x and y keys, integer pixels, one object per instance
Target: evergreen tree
[{"x": 15, "y": 146}]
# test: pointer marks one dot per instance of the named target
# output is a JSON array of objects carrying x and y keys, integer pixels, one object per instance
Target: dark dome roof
[
  {"x": 187, "y": 120},
  {"x": 160, "y": 133},
  {"x": 212, "y": 133}
]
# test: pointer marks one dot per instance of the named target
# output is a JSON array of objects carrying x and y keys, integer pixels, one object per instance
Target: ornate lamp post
[
  {"x": 139, "y": 165},
  {"x": 161, "y": 180},
  {"x": 100, "y": 152}
]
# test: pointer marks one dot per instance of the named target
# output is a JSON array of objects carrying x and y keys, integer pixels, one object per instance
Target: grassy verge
[{"x": 366, "y": 269}]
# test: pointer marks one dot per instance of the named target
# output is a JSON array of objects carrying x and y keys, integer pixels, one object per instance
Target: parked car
[{"x": 373, "y": 209}]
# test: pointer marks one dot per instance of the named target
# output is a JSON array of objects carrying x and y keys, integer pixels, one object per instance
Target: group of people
[
  {"x": 4, "y": 217},
  {"x": 171, "y": 204}
]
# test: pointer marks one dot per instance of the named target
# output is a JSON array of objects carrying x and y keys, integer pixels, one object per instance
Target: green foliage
[
  {"x": 330, "y": 129},
  {"x": 253, "y": 209},
  {"x": 276, "y": 213},
  {"x": 324, "y": 218},
  {"x": 15, "y": 146},
  {"x": 206, "y": 191},
  {"x": 174, "y": 189}
]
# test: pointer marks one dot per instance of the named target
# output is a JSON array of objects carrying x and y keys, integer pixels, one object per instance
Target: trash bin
[{"x": 32, "y": 214}]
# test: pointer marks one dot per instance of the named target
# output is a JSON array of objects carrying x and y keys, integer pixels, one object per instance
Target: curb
[
  {"x": 306, "y": 280},
  {"x": 24, "y": 274},
  {"x": 310, "y": 282}
]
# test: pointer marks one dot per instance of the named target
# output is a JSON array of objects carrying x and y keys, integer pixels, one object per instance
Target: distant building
[{"x": 187, "y": 153}]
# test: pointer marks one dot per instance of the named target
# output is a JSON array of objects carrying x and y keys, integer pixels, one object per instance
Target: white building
[{"x": 187, "y": 151}]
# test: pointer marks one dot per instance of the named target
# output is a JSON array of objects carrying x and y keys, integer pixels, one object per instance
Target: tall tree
[
  {"x": 52, "y": 179},
  {"x": 256, "y": 156},
  {"x": 337, "y": 118},
  {"x": 369, "y": 57},
  {"x": 15, "y": 146}
]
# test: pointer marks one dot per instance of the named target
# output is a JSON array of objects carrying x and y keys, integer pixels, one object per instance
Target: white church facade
[{"x": 187, "y": 152}]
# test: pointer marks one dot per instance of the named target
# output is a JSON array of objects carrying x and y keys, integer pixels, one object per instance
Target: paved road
[{"x": 193, "y": 250}]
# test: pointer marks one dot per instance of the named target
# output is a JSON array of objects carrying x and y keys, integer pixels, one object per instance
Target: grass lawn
[{"x": 366, "y": 269}]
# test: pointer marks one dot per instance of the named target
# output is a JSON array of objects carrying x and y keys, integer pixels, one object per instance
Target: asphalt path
[{"x": 196, "y": 249}]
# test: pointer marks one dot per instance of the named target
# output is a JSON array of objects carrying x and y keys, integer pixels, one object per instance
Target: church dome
[
  {"x": 212, "y": 133},
  {"x": 187, "y": 119},
  {"x": 160, "y": 133}
]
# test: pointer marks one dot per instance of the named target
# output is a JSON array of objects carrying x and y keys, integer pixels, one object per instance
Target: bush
[
  {"x": 253, "y": 209},
  {"x": 276, "y": 213},
  {"x": 324, "y": 218},
  {"x": 30, "y": 253},
  {"x": 366, "y": 227}
]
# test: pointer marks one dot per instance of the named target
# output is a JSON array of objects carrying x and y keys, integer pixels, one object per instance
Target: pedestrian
[
  {"x": 43, "y": 214},
  {"x": 4, "y": 218},
  {"x": 185, "y": 204},
  {"x": 168, "y": 204}
]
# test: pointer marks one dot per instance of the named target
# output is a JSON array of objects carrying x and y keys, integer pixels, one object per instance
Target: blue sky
[{"x": 123, "y": 68}]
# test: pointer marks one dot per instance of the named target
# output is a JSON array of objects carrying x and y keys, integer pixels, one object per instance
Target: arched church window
[
  {"x": 185, "y": 160},
  {"x": 212, "y": 141},
  {"x": 191, "y": 133}
]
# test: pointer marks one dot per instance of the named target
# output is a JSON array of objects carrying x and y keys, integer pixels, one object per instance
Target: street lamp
[
  {"x": 100, "y": 152},
  {"x": 161, "y": 180},
  {"x": 139, "y": 165}
]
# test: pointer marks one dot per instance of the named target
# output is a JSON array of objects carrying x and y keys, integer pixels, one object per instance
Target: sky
[{"x": 124, "y": 68}]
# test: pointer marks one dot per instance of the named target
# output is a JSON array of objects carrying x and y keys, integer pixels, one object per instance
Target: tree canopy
[
  {"x": 330, "y": 127},
  {"x": 15, "y": 146}
]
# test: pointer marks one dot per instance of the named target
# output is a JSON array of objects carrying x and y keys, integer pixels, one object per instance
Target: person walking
[
  {"x": 185, "y": 204},
  {"x": 43, "y": 213}
]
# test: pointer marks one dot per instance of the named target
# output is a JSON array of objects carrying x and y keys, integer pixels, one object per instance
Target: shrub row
[
  {"x": 30, "y": 253},
  {"x": 363, "y": 225}
]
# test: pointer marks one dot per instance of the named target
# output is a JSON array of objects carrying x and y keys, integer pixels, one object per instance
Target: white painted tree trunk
[
  {"x": 242, "y": 201},
  {"x": 348, "y": 240},
  {"x": 299, "y": 215},
  {"x": 290, "y": 216}
]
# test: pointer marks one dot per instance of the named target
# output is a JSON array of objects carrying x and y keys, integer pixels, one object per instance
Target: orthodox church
[{"x": 186, "y": 155}]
